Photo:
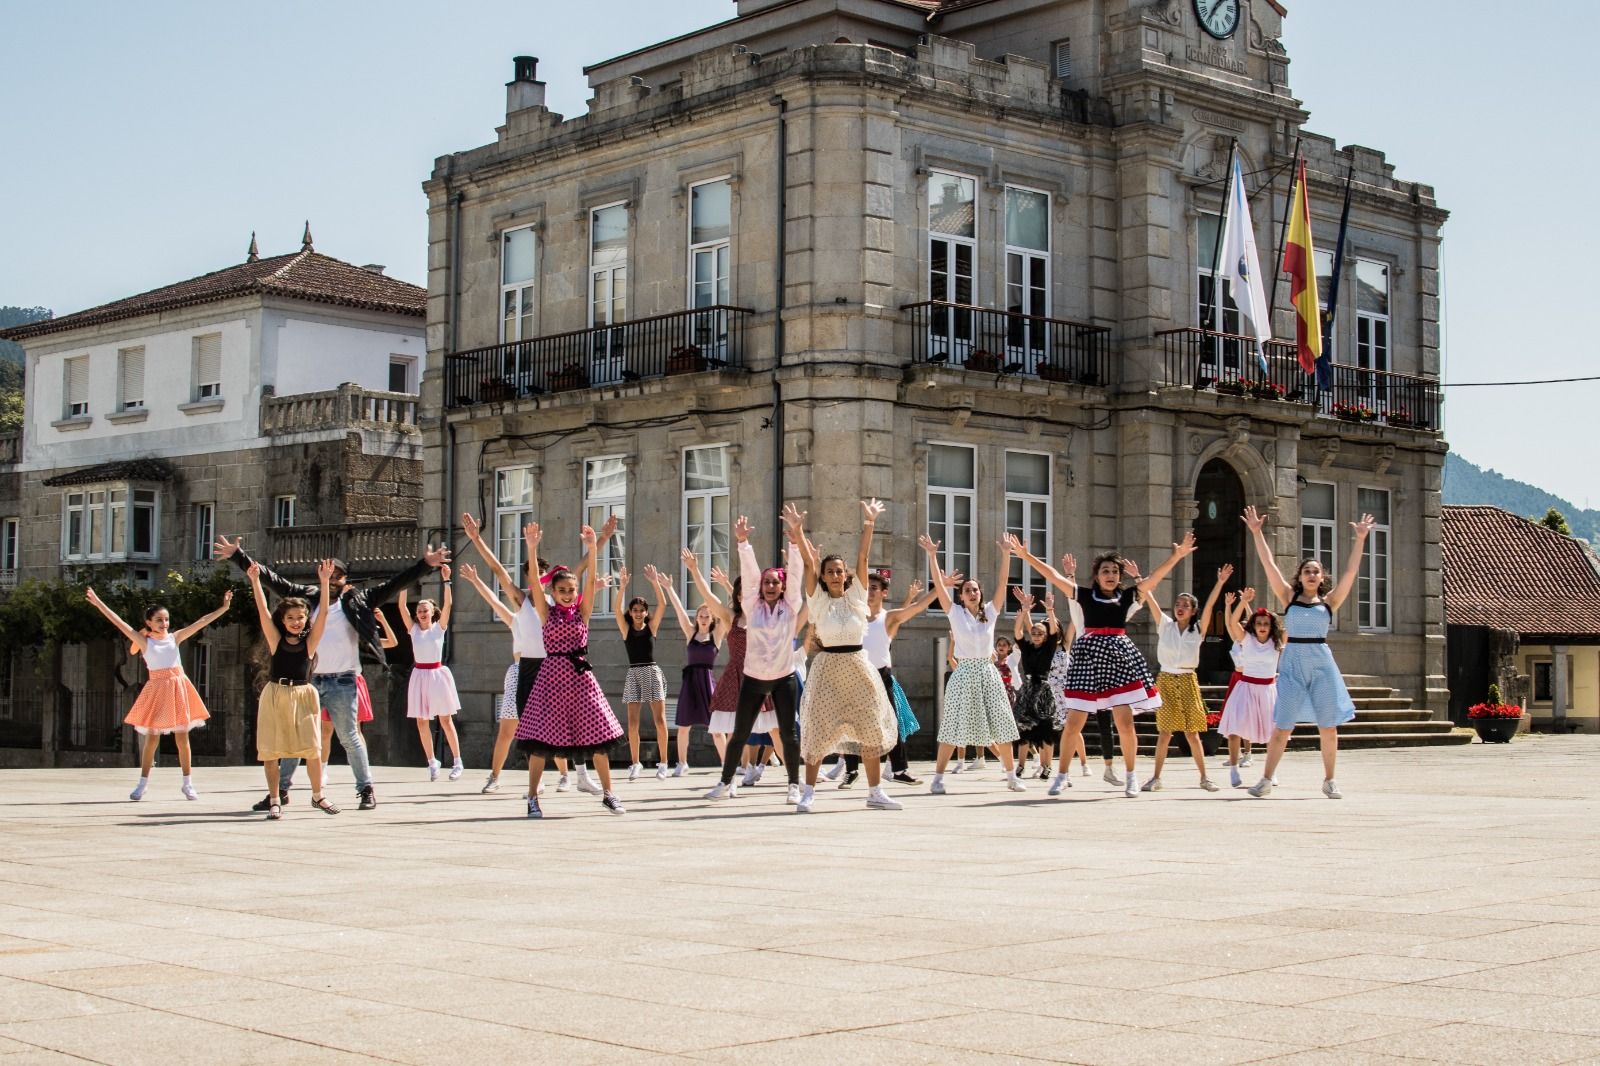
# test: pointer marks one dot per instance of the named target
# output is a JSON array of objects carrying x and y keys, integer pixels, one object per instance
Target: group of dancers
[{"x": 809, "y": 668}]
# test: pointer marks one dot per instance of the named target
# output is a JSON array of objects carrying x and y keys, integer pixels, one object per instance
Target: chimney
[
  {"x": 524, "y": 90},
  {"x": 373, "y": 268}
]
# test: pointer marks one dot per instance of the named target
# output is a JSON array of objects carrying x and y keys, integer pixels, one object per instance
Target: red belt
[
  {"x": 1105, "y": 632},
  {"x": 1238, "y": 677},
  {"x": 427, "y": 666}
]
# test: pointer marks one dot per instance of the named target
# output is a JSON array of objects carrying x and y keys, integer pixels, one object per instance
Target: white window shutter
[
  {"x": 133, "y": 377},
  {"x": 208, "y": 360},
  {"x": 1063, "y": 59},
  {"x": 78, "y": 381}
]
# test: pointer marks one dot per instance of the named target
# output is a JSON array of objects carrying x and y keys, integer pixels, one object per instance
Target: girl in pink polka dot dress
[{"x": 566, "y": 714}]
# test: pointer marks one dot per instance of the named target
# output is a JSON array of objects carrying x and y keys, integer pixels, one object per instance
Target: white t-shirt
[
  {"x": 1252, "y": 658},
  {"x": 339, "y": 650},
  {"x": 969, "y": 637},
  {"x": 527, "y": 628}
]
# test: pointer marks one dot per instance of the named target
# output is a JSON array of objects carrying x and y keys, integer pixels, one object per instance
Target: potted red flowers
[
  {"x": 983, "y": 361},
  {"x": 1354, "y": 412},
  {"x": 1493, "y": 721}
]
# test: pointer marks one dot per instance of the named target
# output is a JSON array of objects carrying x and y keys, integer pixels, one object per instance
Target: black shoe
[
  {"x": 368, "y": 800},
  {"x": 850, "y": 778},
  {"x": 905, "y": 778},
  {"x": 264, "y": 804}
]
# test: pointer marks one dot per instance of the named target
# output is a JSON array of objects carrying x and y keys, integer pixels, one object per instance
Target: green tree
[{"x": 1554, "y": 519}]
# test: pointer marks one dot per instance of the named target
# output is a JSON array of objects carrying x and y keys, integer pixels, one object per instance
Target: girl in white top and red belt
[
  {"x": 1253, "y": 690},
  {"x": 432, "y": 690}
]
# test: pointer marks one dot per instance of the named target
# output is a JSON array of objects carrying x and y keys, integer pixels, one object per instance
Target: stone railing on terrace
[
  {"x": 374, "y": 547},
  {"x": 347, "y": 407},
  {"x": 10, "y": 447}
]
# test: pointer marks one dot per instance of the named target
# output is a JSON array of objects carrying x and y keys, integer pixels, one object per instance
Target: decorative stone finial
[
  {"x": 305, "y": 239},
  {"x": 254, "y": 253}
]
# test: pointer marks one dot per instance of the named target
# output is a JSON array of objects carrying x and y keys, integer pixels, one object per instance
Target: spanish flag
[{"x": 1300, "y": 263}]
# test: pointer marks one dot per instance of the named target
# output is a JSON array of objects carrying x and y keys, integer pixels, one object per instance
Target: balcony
[
  {"x": 368, "y": 549},
  {"x": 1225, "y": 363},
  {"x": 10, "y": 447},
  {"x": 984, "y": 340},
  {"x": 347, "y": 407},
  {"x": 682, "y": 342}
]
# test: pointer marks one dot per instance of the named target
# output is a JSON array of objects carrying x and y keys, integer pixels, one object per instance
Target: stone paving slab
[{"x": 1448, "y": 910}]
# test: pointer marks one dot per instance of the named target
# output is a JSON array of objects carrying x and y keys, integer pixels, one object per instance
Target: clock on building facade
[{"x": 1218, "y": 17}]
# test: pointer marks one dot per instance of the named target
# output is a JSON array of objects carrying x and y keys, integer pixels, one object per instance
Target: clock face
[{"x": 1218, "y": 17}]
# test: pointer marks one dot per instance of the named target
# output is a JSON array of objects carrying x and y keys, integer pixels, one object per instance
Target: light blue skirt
[{"x": 1311, "y": 689}]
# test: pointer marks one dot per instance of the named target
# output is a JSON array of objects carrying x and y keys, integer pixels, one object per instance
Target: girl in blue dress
[{"x": 1310, "y": 687}]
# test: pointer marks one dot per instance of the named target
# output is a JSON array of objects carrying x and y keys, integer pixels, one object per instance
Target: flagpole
[
  {"x": 1283, "y": 235},
  {"x": 1324, "y": 365},
  {"x": 1216, "y": 248}
]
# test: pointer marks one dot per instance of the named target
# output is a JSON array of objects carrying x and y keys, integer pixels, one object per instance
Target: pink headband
[{"x": 779, "y": 571}]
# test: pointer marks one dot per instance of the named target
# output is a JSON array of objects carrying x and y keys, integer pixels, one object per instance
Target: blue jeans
[{"x": 337, "y": 693}]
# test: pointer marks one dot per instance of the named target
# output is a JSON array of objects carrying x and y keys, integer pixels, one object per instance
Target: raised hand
[
  {"x": 532, "y": 535},
  {"x": 1232, "y": 598},
  {"x": 1363, "y": 527},
  {"x": 953, "y": 579},
  {"x": 1008, "y": 546},
  {"x": 622, "y": 577},
  {"x": 1224, "y": 572},
  {"x": 608, "y": 528},
  {"x": 224, "y": 548},
  {"x": 1131, "y": 568},
  {"x": 1069, "y": 566},
  {"x": 254, "y": 572},
  {"x": 444, "y": 572},
  {"x": 587, "y": 537},
  {"x": 1248, "y": 595},
  {"x": 742, "y": 530},
  {"x": 227, "y": 599},
  {"x": 690, "y": 559},
  {"x": 325, "y": 570},
  {"x": 1253, "y": 519},
  {"x": 720, "y": 576},
  {"x": 871, "y": 509},
  {"x": 927, "y": 544},
  {"x": 1049, "y": 600},
  {"x": 916, "y": 588},
  {"x": 469, "y": 572},
  {"x": 471, "y": 526},
  {"x": 1024, "y": 600},
  {"x": 652, "y": 575},
  {"x": 93, "y": 597},
  {"x": 1186, "y": 546},
  {"x": 436, "y": 557}
]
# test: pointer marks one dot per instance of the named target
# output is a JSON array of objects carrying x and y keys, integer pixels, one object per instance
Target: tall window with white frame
[
  {"x": 402, "y": 374},
  {"x": 1319, "y": 528},
  {"x": 608, "y": 289},
  {"x": 1219, "y": 359},
  {"x": 710, "y": 249},
  {"x": 99, "y": 525},
  {"x": 513, "y": 509},
  {"x": 952, "y": 263},
  {"x": 205, "y": 530},
  {"x": 1028, "y": 519},
  {"x": 130, "y": 379},
  {"x": 952, "y": 501},
  {"x": 706, "y": 507},
  {"x": 1027, "y": 274},
  {"x": 605, "y": 493},
  {"x": 517, "y": 269},
  {"x": 1372, "y": 585},
  {"x": 75, "y": 387},
  {"x": 10, "y": 550},
  {"x": 207, "y": 351},
  {"x": 283, "y": 511},
  {"x": 1372, "y": 332}
]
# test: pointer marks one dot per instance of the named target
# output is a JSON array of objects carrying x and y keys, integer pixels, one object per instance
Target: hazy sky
[{"x": 144, "y": 142}]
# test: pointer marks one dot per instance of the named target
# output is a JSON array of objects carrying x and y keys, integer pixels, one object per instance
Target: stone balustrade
[{"x": 347, "y": 407}]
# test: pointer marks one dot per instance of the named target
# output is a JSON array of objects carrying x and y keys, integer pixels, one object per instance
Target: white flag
[{"x": 1241, "y": 266}]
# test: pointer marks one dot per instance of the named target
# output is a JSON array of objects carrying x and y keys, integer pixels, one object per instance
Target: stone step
[
  {"x": 1309, "y": 740},
  {"x": 1370, "y": 694}
]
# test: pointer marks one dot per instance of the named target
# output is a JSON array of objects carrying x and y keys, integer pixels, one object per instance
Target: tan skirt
[
  {"x": 844, "y": 708},
  {"x": 287, "y": 723}
]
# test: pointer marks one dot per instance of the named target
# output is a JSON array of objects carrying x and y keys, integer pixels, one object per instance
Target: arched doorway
[{"x": 1219, "y": 539}]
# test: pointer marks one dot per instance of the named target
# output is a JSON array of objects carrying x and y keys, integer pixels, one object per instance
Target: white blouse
[
  {"x": 1178, "y": 650},
  {"x": 1252, "y": 658},
  {"x": 839, "y": 620},
  {"x": 969, "y": 637}
]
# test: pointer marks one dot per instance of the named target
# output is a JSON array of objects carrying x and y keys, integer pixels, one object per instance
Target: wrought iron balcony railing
[
  {"x": 705, "y": 338},
  {"x": 1008, "y": 342},
  {"x": 1226, "y": 363}
]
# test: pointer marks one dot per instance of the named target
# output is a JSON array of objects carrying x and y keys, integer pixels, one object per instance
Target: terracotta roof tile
[
  {"x": 1506, "y": 572},
  {"x": 302, "y": 276},
  {"x": 121, "y": 470}
]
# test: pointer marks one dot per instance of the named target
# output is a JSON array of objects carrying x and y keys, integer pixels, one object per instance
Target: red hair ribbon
[{"x": 1259, "y": 611}]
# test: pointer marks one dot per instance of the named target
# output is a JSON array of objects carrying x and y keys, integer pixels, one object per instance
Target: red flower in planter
[{"x": 1494, "y": 710}]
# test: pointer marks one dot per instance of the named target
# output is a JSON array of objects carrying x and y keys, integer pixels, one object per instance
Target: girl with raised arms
[{"x": 286, "y": 716}]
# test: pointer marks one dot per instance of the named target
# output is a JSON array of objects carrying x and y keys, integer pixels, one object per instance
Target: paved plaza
[{"x": 1447, "y": 910}]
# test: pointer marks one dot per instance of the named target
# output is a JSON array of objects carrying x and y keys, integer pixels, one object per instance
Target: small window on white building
[
  {"x": 205, "y": 530},
  {"x": 208, "y": 366},
  {"x": 283, "y": 508},
  {"x": 402, "y": 374},
  {"x": 130, "y": 379},
  {"x": 75, "y": 387}
]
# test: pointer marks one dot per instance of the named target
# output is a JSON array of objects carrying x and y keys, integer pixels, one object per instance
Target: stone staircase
[{"x": 1384, "y": 719}]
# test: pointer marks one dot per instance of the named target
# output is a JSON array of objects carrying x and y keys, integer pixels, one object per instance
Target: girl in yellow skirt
[
  {"x": 286, "y": 718},
  {"x": 1179, "y": 639},
  {"x": 169, "y": 702}
]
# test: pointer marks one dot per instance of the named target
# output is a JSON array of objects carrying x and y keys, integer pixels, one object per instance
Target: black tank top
[
  {"x": 641, "y": 646},
  {"x": 290, "y": 662}
]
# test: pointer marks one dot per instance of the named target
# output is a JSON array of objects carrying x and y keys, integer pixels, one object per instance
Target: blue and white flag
[{"x": 1241, "y": 266}]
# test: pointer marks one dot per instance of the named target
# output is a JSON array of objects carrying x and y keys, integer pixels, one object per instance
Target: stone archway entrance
[{"x": 1220, "y": 539}]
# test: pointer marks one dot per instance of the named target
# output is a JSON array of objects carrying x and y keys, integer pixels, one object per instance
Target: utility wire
[{"x": 1498, "y": 384}]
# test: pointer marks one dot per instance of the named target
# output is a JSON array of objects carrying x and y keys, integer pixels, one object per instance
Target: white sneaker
[
  {"x": 794, "y": 794},
  {"x": 433, "y": 769},
  {"x": 1330, "y": 788},
  {"x": 1261, "y": 788},
  {"x": 1083, "y": 769},
  {"x": 1153, "y": 785},
  {"x": 974, "y": 764},
  {"x": 1210, "y": 785},
  {"x": 760, "y": 769},
  {"x": 493, "y": 785},
  {"x": 807, "y": 796},
  {"x": 955, "y": 766},
  {"x": 1247, "y": 759},
  {"x": 832, "y": 773},
  {"x": 937, "y": 788},
  {"x": 457, "y": 770},
  {"x": 1274, "y": 780},
  {"x": 1057, "y": 784},
  {"x": 748, "y": 778},
  {"x": 1110, "y": 776},
  {"x": 1014, "y": 783},
  {"x": 563, "y": 783},
  {"x": 633, "y": 771},
  {"x": 677, "y": 771},
  {"x": 190, "y": 794},
  {"x": 662, "y": 771},
  {"x": 721, "y": 792},
  {"x": 1131, "y": 789},
  {"x": 1233, "y": 777},
  {"x": 878, "y": 800},
  {"x": 589, "y": 785}
]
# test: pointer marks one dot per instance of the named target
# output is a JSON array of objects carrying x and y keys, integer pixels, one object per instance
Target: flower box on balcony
[
  {"x": 571, "y": 376},
  {"x": 1054, "y": 372},
  {"x": 491, "y": 390},
  {"x": 1230, "y": 388},
  {"x": 687, "y": 360},
  {"x": 1354, "y": 412},
  {"x": 984, "y": 362}
]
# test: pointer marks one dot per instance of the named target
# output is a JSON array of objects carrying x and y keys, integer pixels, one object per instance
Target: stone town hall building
[{"x": 951, "y": 254}]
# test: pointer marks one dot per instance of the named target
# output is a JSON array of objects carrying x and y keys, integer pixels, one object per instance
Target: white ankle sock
[{"x": 186, "y": 779}]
